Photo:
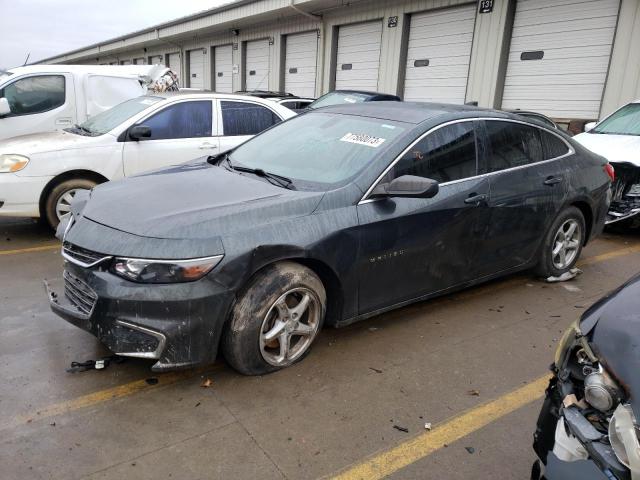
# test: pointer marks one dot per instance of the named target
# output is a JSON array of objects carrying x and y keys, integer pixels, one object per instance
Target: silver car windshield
[
  {"x": 108, "y": 120},
  {"x": 625, "y": 121},
  {"x": 319, "y": 148}
]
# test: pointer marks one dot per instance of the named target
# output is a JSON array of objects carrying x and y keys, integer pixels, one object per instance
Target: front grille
[
  {"x": 82, "y": 256},
  {"x": 79, "y": 293}
]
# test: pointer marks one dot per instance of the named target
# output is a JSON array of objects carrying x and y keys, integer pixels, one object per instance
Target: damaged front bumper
[
  {"x": 568, "y": 445},
  {"x": 625, "y": 203},
  {"x": 179, "y": 325}
]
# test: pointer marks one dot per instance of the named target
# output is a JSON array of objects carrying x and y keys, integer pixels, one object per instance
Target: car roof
[{"x": 414, "y": 112}]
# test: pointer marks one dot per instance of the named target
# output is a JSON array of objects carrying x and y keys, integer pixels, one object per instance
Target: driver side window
[
  {"x": 444, "y": 155},
  {"x": 35, "y": 94}
]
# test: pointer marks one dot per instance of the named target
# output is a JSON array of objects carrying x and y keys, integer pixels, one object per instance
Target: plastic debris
[
  {"x": 470, "y": 449},
  {"x": 401, "y": 429},
  {"x": 99, "y": 364},
  {"x": 571, "y": 274},
  {"x": 427, "y": 426},
  {"x": 207, "y": 383},
  {"x": 473, "y": 393}
]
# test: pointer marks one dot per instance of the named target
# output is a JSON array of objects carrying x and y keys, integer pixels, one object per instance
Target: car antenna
[{"x": 26, "y": 59}]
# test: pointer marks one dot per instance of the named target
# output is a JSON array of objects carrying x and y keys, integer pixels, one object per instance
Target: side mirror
[
  {"x": 5, "y": 108},
  {"x": 409, "y": 186},
  {"x": 589, "y": 126},
  {"x": 139, "y": 132}
]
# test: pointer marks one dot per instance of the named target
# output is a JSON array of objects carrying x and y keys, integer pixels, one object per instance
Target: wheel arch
[
  {"x": 84, "y": 174},
  {"x": 587, "y": 213}
]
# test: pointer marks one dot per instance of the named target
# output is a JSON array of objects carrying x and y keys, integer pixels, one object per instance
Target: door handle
[
  {"x": 475, "y": 199},
  {"x": 551, "y": 181},
  {"x": 207, "y": 146}
]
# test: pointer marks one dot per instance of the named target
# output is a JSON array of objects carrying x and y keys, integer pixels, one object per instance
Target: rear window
[{"x": 553, "y": 147}]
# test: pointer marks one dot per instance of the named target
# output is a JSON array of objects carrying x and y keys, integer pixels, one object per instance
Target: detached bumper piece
[{"x": 626, "y": 194}]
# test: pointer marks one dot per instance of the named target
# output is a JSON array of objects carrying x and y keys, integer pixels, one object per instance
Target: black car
[
  {"x": 588, "y": 427},
  {"x": 536, "y": 116},
  {"x": 342, "y": 97},
  {"x": 328, "y": 218}
]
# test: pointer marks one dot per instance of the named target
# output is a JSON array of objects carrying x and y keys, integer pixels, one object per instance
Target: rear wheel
[
  {"x": 562, "y": 244},
  {"x": 58, "y": 202},
  {"x": 275, "y": 320}
]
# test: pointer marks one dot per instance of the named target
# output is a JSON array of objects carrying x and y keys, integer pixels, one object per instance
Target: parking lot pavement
[{"x": 335, "y": 412}]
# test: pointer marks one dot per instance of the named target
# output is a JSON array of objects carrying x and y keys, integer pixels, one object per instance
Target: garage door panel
[
  {"x": 257, "y": 65},
  {"x": 223, "y": 69},
  {"x": 301, "y": 53},
  {"x": 576, "y": 37},
  {"x": 196, "y": 68},
  {"x": 359, "y": 47},
  {"x": 444, "y": 38}
]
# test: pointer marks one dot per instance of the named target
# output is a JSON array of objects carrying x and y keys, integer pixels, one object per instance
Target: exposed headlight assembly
[
  {"x": 164, "y": 271},
  {"x": 10, "y": 162},
  {"x": 623, "y": 435}
]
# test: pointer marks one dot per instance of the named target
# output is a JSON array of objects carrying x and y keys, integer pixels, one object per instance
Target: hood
[
  {"x": 192, "y": 201},
  {"x": 46, "y": 142},
  {"x": 612, "y": 326},
  {"x": 615, "y": 148}
]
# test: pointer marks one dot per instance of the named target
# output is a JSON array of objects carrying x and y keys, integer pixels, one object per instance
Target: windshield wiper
[
  {"x": 85, "y": 130},
  {"x": 279, "y": 180}
]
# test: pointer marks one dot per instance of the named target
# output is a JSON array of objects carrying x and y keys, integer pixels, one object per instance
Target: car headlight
[
  {"x": 164, "y": 271},
  {"x": 10, "y": 162},
  {"x": 623, "y": 435}
]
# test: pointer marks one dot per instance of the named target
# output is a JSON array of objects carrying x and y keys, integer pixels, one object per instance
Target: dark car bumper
[
  {"x": 179, "y": 325},
  {"x": 602, "y": 462}
]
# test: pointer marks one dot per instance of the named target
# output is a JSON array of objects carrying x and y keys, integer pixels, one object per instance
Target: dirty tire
[
  {"x": 58, "y": 192},
  {"x": 253, "y": 313},
  {"x": 546, "y": 267}
]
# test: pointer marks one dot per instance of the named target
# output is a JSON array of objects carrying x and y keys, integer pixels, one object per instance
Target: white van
[{"x": 45, "y": 98}]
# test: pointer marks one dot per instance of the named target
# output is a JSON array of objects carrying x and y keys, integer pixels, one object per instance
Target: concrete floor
[{"x": 334, "y": 409}]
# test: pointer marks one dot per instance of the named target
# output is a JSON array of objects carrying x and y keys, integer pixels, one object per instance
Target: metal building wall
[{"x": 623, "y": 81}]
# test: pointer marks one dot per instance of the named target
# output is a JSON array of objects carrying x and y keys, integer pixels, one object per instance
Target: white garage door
[
  {"x": 257, "y": 65},
  {"x": 300, "y": 64},
  {"x": 156, "y": 60},
  {"x": 358, "y": 59},
  {"x": 196, "y": 68},
  {"x": 438, "y": 56},
  {"x": 125, "y": 62},
  {"x": 138, "y": 61},
  {"x": 223, "y": 69},
  {"x": 559, "y": 56},
  {"x": 174, "y": 64}
]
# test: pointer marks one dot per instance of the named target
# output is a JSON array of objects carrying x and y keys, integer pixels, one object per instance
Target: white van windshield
[{"x": 108, "y": 120}]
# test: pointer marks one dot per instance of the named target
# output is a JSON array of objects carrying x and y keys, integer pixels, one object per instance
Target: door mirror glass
[
  {"x": 5, "y": 109},
  {"x": 589, "y": 126},
  {"x": 409, "y": 186},
  {"x": 139, "y": 132}
]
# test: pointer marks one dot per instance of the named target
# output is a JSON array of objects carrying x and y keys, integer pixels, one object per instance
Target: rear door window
[
  {"x": 182, "y": 120},
  {"x": 552, "y": 146},
  {"x": 445, "y": 155},
  {"x": 246, "y": 118},
  {"x": 36, "y": 94},
  {"x": 511, "y": 145}
]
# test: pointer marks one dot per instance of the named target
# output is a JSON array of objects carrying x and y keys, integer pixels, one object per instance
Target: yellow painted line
[
  {"x": 609, "y": 255},
  {"x": 387, "y": 462},
  {"x": 42, "y": 248},
  {"x": 102, "y": 396}
]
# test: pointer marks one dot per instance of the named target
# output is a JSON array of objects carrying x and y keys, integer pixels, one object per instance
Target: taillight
[{"x": 609, "y": 170}]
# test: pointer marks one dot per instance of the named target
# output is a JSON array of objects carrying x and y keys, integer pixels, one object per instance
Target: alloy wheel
[
  {"x": 290, "y": 326},
  {"x": 566, "y": 244},
  {"x": 63, "y": 205}
]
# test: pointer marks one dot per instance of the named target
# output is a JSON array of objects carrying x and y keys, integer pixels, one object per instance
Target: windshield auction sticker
[{"x": 363, "y": 139}]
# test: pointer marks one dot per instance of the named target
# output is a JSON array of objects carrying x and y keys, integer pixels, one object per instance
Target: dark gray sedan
[{"x": 329, "y": 218}]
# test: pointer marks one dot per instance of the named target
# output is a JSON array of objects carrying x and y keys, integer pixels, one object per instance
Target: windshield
[
  {"x": 109, "y": 119},
  {"x": 318, "y": 150},
  {"x": 625, "y": 121},
  {"x": 338, "y": 98}
]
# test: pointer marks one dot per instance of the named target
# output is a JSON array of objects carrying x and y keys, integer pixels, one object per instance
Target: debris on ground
[
  {"x": 99, "y": 364},
  {"x": 571, "y": 274},
  {"x": 572, "y": 288},
  {"x": 473, "y": 393},
  {"x": 207, "y": 383},
  {"x": 401, "y": 429},
  {"x": 152, "y": 381},
  {"x": 427, "y": 426},
  {"x": 377, "y": 370},
  {"x": 470, "y": 449},
  {"x": 373, "y": 329}
]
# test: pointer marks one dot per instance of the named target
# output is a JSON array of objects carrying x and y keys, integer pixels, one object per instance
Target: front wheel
[
  {"x": 275, "y": 320},
  {"x": 562, "y": 244},
  {"x": 58, "y": 202}
]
